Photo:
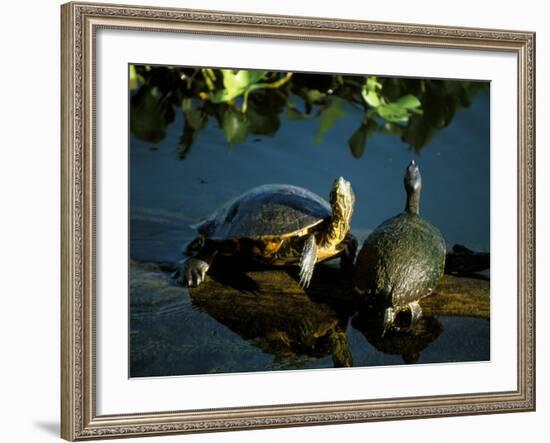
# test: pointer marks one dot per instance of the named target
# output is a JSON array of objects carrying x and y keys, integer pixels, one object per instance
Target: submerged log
[
  {"x": 455, "y": 295},
  {"x": 227, "y": 282},
  {"x": 459, "y": 296}
]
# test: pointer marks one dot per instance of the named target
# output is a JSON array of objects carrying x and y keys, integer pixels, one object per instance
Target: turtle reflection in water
[
  {"x": 403, "y": 259},
  {"x": 407, "y": 342},
  {"x": 278, "y": 317},
  {"x": 277, "y": 225}
]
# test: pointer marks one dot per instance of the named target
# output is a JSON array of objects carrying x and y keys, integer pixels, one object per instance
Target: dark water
[{"x": 173, "y": 335}]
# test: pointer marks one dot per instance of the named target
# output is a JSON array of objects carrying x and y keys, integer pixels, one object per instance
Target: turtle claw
[
  {"x": 194, "y": 272},
  {"x": 305, "y": 276},
  {"x": 307, "y": 261}
]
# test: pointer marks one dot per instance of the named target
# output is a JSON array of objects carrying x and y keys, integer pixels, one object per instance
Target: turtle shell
[
  {"x": 403, "y": 259},
  {"x": 265, "y": 212}
]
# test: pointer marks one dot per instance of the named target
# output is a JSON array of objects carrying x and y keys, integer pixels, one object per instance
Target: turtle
[
  {"x": 279, "y": 225},
  {"x": 403, "y": 259}
]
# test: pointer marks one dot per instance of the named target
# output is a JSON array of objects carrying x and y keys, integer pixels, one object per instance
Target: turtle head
[
  {"x": 342, "y": 199},
  {"x": 412, "y": 179},
  {"x": 413, "y": 185}
]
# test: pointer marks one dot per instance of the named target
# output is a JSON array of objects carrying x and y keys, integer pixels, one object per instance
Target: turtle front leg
[
  {"x": 416, "y": 313},
  {"x": 307, "y": 261},
  {"x": 195, "y": 268},
  {"x": 348, "y": 255}
]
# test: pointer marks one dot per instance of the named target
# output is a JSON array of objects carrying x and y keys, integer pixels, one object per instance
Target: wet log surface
[
  {"x": 455, "y": 295},
  {"x": 274, "y": 289},
  {"x": 459, "y": 296}
]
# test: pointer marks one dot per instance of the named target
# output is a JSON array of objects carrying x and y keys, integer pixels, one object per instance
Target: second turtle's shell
[{"x": 403, "y": 258}]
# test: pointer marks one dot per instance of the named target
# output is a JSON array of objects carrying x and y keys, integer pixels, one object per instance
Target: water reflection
[
  {"x": 271, "y": 311},
  {"x": 405, "y": 342},
  {"x": 175, "y": 331}
]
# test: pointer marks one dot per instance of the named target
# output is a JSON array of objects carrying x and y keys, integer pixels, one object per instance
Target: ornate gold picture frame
[{"x": 80, "y": 23}]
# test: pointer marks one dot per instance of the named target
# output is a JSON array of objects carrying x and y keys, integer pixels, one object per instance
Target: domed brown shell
[{"x": 265, "y": 212}]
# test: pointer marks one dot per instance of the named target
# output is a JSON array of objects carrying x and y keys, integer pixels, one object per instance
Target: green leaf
[
  {"x": 235, "y": 84},
  {"x": 372, "y": 84},
  {"x": 409, "y": 102},
  {"x": 371, "y": 98},
  {"x": 250, "y": 77},
  {"x": 418, "y": 133},
  {"x": 233, "y": 87},
  {"x": 262, "y": 124},
  {"x": 136, "y": 80},
  {"x": 187, "y": 104},
  {"x": 186, "y": 141},
  {"x": 209, "y": 78},
  {"x": 371, "y": 114},
  {"x": 221, "y": 96},
  {"x": 196, "y": 119},
  {"x": 238, "y": 81},
  {"x": 235, "y": 126},
  {"x": 314, "y": 95},
  {"x": 393, "y": 113},
  {"x": 147, "y": 121},
  {"x": 358, "y": 141},
  {"x": 231, "y": 81},
  {"x": 329, "y": 115}
]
